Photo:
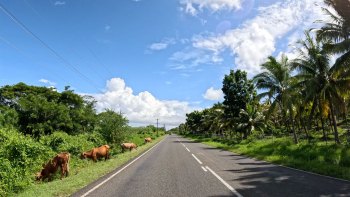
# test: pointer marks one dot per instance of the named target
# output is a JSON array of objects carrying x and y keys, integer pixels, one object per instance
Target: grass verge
[
  {"x": 321, "y": 158},
  {"x": 80, "y": 177}
]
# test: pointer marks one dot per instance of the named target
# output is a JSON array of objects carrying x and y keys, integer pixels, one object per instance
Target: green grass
[
  {"x": 82, "y": 172},
  {"x": 318, "y": 157}
]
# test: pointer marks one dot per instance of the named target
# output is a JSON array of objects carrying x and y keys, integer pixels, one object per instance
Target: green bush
[
  {"x": 345, "y": 157},
  {"x": 75, "y": 145},
  {"x": 20, "y": 158}
]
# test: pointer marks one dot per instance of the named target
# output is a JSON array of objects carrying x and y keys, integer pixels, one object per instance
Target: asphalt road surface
[{"x": 179, "y": 167}]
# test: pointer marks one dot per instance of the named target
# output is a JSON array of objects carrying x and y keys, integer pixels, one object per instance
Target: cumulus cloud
[
  {"x": 213, "y": 94},
  {"x": 47, "y": 82},
  {"x": 193, "y": 7},
  {"x": 141, "y": 108},
  {"x": 256, "y": 39},
  {"x": 60, "y": 3}
]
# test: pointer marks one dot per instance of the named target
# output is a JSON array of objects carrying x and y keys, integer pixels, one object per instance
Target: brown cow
[
  {"x": 129, "y": 146},
  {"x": 96, "y": 153},
  {"x": 60, "y": 160},
  {"x": 148, "y": 139}
]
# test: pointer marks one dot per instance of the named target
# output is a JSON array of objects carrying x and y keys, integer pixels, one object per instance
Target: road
[{"x": 180, "y": 167}]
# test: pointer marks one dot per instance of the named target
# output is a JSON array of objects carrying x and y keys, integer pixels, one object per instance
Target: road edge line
[
  {"x": 199, "y": 161},
  {"x": 204, "y": 169},
  {"x": 119, "y": 171},
  {"x": 224, "y": 182}
]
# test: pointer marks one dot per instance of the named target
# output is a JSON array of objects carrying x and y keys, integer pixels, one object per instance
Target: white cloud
[
  {"x": 142, "y": 108},
  {"x": 59, "y": 3},
  {"x": 256, "y": 39},
  {"x": 189, "y": 58},
  {"x": 47, "y": 82},
  {"x": 162, "y": 45},
  {"x": 193, "y": 7},
  {"x": 107, "y": 27},
  {"x": 213, "y": 94},
  {"x": 158, "y": 46}
]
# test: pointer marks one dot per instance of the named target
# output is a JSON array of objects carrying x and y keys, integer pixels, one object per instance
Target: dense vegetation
[
  {"x": 38, "y": 122},
  {"x": 305, "y": 99}
]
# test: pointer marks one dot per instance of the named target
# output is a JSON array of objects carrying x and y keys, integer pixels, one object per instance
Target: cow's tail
[{"x": 68, "y": 164}]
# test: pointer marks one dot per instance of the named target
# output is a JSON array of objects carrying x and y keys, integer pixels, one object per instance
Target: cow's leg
[
  {"x": 62, "y": 171},
  {"x": 67, "y": 168}
]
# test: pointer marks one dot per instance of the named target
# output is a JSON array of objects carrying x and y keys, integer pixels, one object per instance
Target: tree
[
  {"x": 276, "y": 80},
  {"x": 238, "y": 92},
  {"x": 42, "y": 110},
  {"x": 338, "y": 29},
  {"x": 112, "y": 126},
  {"x": 251, "y": 120},
  {"x": 193, "y": 121},
  {"x": 322, "y": 82}
]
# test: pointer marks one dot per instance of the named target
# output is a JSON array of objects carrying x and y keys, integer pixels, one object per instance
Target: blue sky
[{"x": 147, "y": 58}]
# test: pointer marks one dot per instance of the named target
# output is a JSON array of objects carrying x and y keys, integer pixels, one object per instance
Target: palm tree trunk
[
  {"x": 322, "y": 123},
  {"x": 324, "y": 131},
  {"x": 334, "y": 120},
  {"x": 293, "y": 128},
  {"x": 314, "y": 104},
  {"x": 302, "y": 126}
]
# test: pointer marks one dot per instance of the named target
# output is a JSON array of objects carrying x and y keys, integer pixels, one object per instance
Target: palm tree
[
  {"x": 321, "y": 82},
  {"x": 251, "y": 119},
  {"x": 276, "y": 79},
  {"x": 337, "y": 30}
]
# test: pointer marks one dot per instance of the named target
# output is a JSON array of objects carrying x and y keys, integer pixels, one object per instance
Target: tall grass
[{"x": 318, "y": 157}]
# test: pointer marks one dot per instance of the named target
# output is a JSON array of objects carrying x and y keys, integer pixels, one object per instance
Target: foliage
[
  {"x": 112, "y": 126},
  {"x": 41, "y": 110},
  {"x": 238, "y": 91},
  {"x": 62, "y": 142},
  {"x": 20, "y": 158}
]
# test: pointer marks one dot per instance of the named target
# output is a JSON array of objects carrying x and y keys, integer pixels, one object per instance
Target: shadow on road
[{"x": 263, "y": 179}]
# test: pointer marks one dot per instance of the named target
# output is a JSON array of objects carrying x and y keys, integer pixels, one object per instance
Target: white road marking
[
  {"x": 225, "y": 183},
  {"x": 110, "y": 177},
  {"x": 199, "y": 161},
  {"x": 188, "y": 149},
  {"x": 205, "y": 170}
]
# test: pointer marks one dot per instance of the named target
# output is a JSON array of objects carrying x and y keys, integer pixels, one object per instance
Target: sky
[{"x": 149, "y": 59}]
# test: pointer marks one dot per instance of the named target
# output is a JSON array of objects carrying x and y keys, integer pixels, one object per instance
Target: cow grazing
[
  {"x": 129, "y": 146},
  {"x": 61, "y": 160},
  {"x": 148, "y": 139},
  {"x": 96, "y": 153}
]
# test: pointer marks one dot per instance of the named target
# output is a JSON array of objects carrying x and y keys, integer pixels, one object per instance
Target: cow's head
[
  {"x": 83, "y": 156},
  {"x": 38, "y": 176}
]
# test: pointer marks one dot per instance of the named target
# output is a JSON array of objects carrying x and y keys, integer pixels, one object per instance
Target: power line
[
  {"x": 99, "y": 60},
  {"x": 63, "y": 60},
  {"x": 24, "y": 54}
]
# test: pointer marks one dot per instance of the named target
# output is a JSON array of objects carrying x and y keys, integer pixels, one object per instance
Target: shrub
[
  {"x": 345, "y": 157},
  {"x": 20, "y": 158},
  {"x": 60, "y": 142}
]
